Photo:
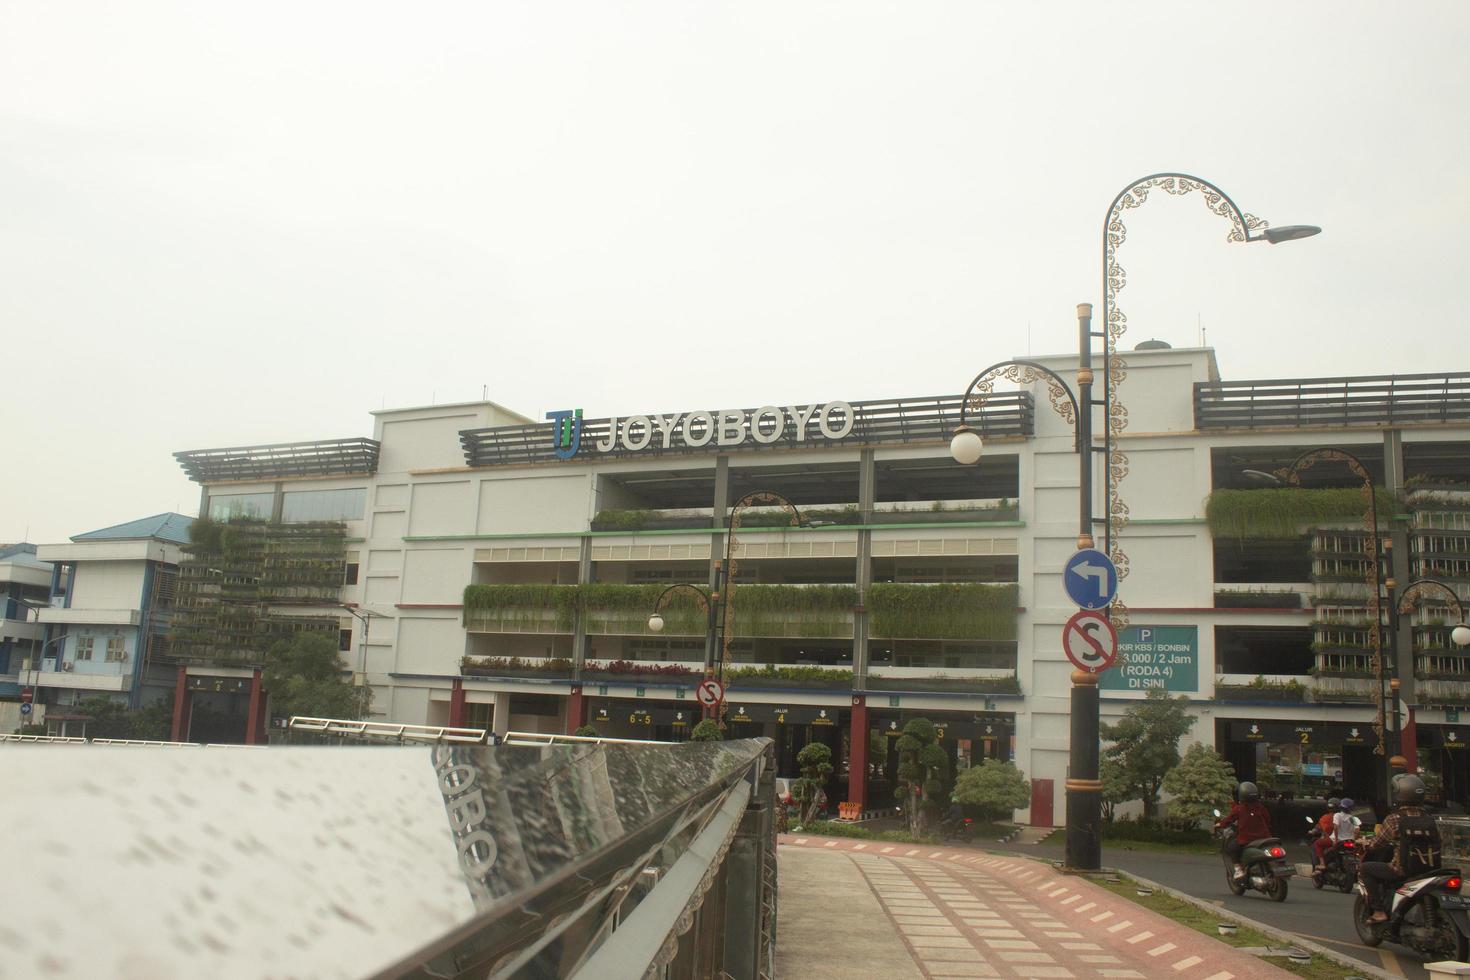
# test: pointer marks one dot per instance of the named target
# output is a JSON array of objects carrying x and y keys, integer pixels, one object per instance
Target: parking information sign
[
  {"x": 1090, "y": 579},
  {"x": 1156, "y": 656}
]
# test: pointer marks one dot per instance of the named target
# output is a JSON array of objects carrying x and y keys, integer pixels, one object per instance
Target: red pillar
[
  {"x": 183, "y": 701},
  {"x": 857, "y": 753},
  {"x": 1409, "y": 740},
  {"x": 257, "y": 704},
  {"x": 456, "y": 704},
  {"x": 576, "y": 710}
]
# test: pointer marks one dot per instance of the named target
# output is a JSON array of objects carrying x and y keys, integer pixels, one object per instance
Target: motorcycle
[
  {"x": 961, "y": 831},
  {"x": 1428, "y": 915},
  {"x": 1264, "y": 860},
  {"x": 1340, "y": 867}
]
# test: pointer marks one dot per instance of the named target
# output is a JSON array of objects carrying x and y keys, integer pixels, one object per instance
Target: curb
[{"x": 1358, "y": 967}]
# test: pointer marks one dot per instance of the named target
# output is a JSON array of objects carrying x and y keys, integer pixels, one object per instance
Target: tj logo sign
[{"x": 566, "y": 433}]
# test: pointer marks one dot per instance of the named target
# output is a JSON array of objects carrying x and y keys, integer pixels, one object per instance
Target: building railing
[
  {"x": 684, "y": 886},
  {"x": 894, "y": 420},
  {"x": 1359, "y": 401}
]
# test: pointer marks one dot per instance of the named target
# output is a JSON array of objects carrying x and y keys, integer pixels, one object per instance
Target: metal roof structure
[
  {"x": 1370, "y": 400},
  {"x": 890, "y": 420},
  {"x": 324, "y": 457},
  {"x": 170, "y": 527}
]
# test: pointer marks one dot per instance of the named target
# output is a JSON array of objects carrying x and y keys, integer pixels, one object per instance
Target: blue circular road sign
[{"x": 1090, "y": 579}]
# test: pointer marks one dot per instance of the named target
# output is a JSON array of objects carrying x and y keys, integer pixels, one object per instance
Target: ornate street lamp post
[
  {"x": 719, "y": 603},
  {"x": 1084, "y": 788}
]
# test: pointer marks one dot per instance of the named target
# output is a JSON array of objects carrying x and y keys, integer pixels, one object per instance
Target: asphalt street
[{"x": 1323, "y": 916}]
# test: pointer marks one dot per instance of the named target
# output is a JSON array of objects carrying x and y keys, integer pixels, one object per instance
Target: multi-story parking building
[{"x": 507, "y": 567}]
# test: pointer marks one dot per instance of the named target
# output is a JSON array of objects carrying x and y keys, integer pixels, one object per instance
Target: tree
[
  {"x": 113, "y": 719},
  {"x": 304, "y": 677},
  {"x": 994, "y": 788},
  {"x": 923, "y": 772},
  {"x": 585, "y": 731},
  {"x": 1146, "y": 745},
  {"x": 1115, "y": 788},
  {"x": 1200, "y": 783},
  {"x": 706, "y": 731},
  {"x": 816, "y": 765}
]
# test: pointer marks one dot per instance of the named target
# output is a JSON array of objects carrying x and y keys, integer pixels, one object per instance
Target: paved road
[{"x": 1324, "y": 916}]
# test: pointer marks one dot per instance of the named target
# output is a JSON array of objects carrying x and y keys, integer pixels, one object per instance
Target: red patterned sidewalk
[{"x": 966, "y": 914}]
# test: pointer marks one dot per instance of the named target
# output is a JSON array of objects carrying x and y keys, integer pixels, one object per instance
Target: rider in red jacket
[{"x": 1251, "y": 822}]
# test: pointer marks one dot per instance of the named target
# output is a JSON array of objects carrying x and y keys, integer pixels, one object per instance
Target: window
[
  {"x": 117, "y": 650},
  {"x": 227, "y": 505},
  {"x": 300, "y": 506},
  {"x": 352, "y": 572},
  {"x": 84, "y": 648},
  {"x": 344, "y": 640},
  {"x": 1263, "y": 650}
]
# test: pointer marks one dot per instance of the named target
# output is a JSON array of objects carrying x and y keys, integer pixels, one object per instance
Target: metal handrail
[{"x": 583, "y": 911}]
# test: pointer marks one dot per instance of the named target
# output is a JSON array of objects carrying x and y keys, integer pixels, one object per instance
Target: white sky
[{"x": 224, "y": 224}]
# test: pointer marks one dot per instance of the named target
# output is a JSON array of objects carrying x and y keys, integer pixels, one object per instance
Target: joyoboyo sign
[{"x": 728, "y": 428}]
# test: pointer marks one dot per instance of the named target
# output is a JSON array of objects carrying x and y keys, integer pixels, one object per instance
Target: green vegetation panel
[{"x": 1282, "y": 512}]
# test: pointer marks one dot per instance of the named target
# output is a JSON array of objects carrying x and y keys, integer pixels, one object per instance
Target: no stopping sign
[
  {"x": 710, "y": 692},
  {"x": 1090, "y": 641}
]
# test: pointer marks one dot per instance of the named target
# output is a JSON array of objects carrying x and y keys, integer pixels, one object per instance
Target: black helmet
[
  {"x": 1248, "y": 793},
  {"x": 1407, "y": 789}
]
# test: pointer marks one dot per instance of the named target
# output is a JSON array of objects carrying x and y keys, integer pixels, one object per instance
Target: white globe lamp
[
  {"x": 656, "y": 623},
  {"x": 1461, "y": 635},
  {"x": 966, "y": 446}
]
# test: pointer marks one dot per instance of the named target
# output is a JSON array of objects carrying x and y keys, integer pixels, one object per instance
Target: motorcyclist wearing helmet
[
  {"x": 1409, "y": 837},
  {"x": 1343, "y": 827},
  {"x": 1250, "y": 819},
  {"x": 1323, "y": 843}
]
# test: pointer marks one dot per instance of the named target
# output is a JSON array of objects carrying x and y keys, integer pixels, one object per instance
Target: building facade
[
  {"x": 110, "y": 604},
  {"x": 505, "y": 569}
]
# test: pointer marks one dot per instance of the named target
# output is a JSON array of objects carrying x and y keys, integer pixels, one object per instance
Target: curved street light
[
  {"x": 718, "y": 602},
  {"x": 1244, "y": 227}
]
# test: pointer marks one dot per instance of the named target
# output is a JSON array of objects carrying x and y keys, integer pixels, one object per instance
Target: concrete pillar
[
  {"x": 863, "y": 574},
  {"x": 1398, "y": 563},
  {"x": 580, "y": 640},
  {"x": 183, "y": 701},
  {"x": 1409, "y": 740},
  {"x": 456, "y": 704},
  {"x": 857, "y": 753},
  {"x": 1447, "y": 968},
  {"x": 721, "y": 504},
  {"x": 500, "y": 717},
  {"x": 254, "y": 721}
]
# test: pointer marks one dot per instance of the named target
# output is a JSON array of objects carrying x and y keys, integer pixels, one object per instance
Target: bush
[
  {"x": 1200, "y": 783},
  {"x": 585, "y": 731},
  {"x": 1152, "y": 832},
  {"x": 815, "y": 761},
  {"x": 994, "y": 788},
  {"x": 707, "y": 731}
]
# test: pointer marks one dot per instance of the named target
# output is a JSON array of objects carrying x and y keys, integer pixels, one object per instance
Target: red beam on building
[
  {"x": 254, "y": 720},
  {"x": 182, "y": 702},
  {"x": 456, "y": 704}
]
